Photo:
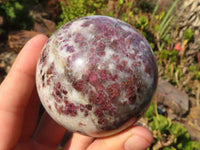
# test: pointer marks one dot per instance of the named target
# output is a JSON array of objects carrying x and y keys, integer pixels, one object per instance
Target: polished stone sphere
[{"x": 96, "y": 75}]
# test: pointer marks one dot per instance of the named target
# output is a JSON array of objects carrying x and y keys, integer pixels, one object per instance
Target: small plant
[
  {"x": 16, "y": 14},
  {"x": 168, "y": 135},
  {"x": 150, "y": 112},
  {"x": 163, "y": 23},
  {"x": 195, "y": 71},
  {"x": 142, "y": 23},
  {"x": 72, "y": 9},
  {"x": 188, "y": 34},
  {"x": 166, "y": 57}
]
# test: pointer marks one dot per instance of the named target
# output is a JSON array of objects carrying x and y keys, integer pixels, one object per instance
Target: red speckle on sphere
[
  {"x": 93, "y": 77},
  {"x": 88, "y": 106},
  {"x": 79, "y": 85},
  {"x": 113, "y": 91}
]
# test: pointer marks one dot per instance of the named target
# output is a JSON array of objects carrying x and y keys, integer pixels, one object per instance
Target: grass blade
[
  {"x": 168, "y": 14},
  {"x": 156, "y": 8},
  {"x": 166, "y": 25}
]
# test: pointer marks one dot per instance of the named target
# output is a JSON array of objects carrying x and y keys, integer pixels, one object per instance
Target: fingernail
[{"x": 136, "y": 142}]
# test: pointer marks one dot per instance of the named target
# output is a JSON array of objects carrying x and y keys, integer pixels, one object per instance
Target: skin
[{"x": 19, "y": 109}]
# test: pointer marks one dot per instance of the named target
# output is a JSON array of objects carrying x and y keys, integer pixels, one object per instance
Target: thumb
[{"x": 134, "y": 138}]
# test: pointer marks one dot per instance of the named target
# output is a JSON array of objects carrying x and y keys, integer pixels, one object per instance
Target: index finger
[
  {"x": 16, "y": 90},
  {"x": 19, "y": 83}
]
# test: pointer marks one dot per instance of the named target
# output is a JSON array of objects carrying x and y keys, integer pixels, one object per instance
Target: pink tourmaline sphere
[{"x": 96, "y": 75}]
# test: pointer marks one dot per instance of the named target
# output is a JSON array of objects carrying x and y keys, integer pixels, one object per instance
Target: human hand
[{"x": 19, "y": 110}]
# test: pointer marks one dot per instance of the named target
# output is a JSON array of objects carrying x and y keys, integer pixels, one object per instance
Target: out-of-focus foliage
[
  {"x": 16, "y": 14},
  {"x": 72, "y": 9},
  {"x": 168, "y": 135}
]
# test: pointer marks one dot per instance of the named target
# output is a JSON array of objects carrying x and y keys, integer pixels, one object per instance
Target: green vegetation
[
  {"x": 188, "y": 34},
  {"x": 168, "y": 135},
  {"x": 72, "y": 9},
  {"x": 16, "y": 14}
]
